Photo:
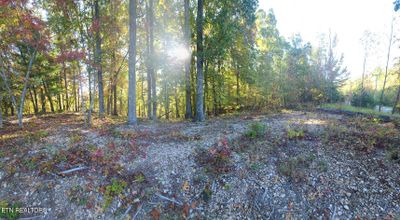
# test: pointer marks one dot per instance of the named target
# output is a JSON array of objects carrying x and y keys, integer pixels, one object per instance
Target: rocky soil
[{"x": 290, "y": 165}]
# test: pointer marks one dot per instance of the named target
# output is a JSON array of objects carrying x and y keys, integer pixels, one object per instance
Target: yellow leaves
[{"x": 186, "y": 186}]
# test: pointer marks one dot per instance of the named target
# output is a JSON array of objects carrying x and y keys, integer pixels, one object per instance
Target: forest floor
[{"x": 287, "y": 165}]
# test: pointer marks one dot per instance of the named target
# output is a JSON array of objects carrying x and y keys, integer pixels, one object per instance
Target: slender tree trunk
[
  {"x": 109, "y": 95},
  {"x": 396, "y": 102},
  {"x": 200, "y": 77},
  {"x": 36, "y": 99},
  {"x": 1, "y": 111},
  {"x": 23, "y": 94},
  {"x": 35, "y": 108},
  {"x": 98, "y": 60},
  {"x": 12, "y": 107},
  {"x": 387, "y": 65},
  {"x": 237, "y": 86},
  {"x": 13, "y": 102},
  {"x": 363, "y": 73},
  {"x": 149, "y": 62},
  {"x": 166, "y": 99},
  {"x": 153, "y": 71},
  {"x": 74, "y": 89},
  {"x": 6, "y": 108},
  {"x": 58, "y": 94},
  {"x": 205, "y": 97},
  {"x": 132, "y": 118},
  {"x": 43, "y": 100},
  {"x": 177, "y": 115},
  {"x": 46, "y": 90},
  {"x": 81, "y": 94},
  {"x": 66, "y": 88},
  {"x": 188, "y": 95}
]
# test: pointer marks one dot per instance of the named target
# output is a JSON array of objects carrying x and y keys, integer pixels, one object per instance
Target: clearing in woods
[{"x": 292, "y": 164}]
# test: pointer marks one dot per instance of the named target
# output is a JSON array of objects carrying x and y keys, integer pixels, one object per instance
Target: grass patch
[
  {"x": 113, "y": 190},
  {"x": 350, "y": 108},
  {"x": 294, "y": 168},
  {"x": 293, "y": 134},
  {"x": 8, "y": 211},
  {"x": 256, "y": 130}
]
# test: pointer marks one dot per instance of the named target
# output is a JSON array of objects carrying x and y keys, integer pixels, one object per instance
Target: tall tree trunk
[
  {"x": 81, "y": 94},
  {"x": 205, "y": 97},
  {"x": 1, "y": 111},
  {"x": 109, "y": 94},
  {"x": 42, "y": 100},
  {"x": 114, "y": 89},
  {"x": 23, "y": 94},
  {"x": 149, "y": 63},
  {"x": 188, "y": 95},
  {"x": 396, "y": 102},
  {"x": 35, "y": 107},
  {"x": 74, "y": 89},
  {"x": 132, "y": 118},
  {"x": 98, "y": 60},
  {"x": 177, "y": 115},
  {"x": 36, "y": 99},
  {"x": 58, "y": 94},
  {"x": 387, "y": 65},
  {"x": 166, "y": 99},
  {"x": 66, "y": 107},
  {"x": 46, "y": 90},
  {"x": 237, "y": 86},
  {"x": 153, "y": 71},
  {"x": 199, "y": 86},
  {"x": 12, "y": 109}
]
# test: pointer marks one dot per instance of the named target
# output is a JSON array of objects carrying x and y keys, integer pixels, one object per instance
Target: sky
[{"x": 347, "y": 18}]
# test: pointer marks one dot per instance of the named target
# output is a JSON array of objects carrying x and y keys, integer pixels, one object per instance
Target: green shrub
[
  {"x": 294, "y": 168},
  {"x": 115, "y": 189},
  {"x": 8, "y": 211},
  {"x": 295, "y": 134},
  {"x": 363, "y": 99},
  {"x": 256, "y": 130}
]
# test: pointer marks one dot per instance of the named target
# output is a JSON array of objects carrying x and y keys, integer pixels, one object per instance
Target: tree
[
  {"x": 368, "y": 41},
  {"x": 200, "y": 54},
  {"x": 387, "y": 64},
  {"x": 132, "y": 118},
  {"x": 24, "y": 36},
  {"x": 188, "y": 95},
  {"x": 98, "y": 55}
]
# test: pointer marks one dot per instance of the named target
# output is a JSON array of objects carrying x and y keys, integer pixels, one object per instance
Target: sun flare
[{"x": 178, "y": 53}]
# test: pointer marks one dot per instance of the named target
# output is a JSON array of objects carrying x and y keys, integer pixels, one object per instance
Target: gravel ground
[{"x": 306, "y": 165}]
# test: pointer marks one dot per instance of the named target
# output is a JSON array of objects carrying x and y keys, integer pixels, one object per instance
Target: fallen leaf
[
  {"x": 185, "y": 211},
  {"x": 186, "y": 186},
  {"x": 155, "y": 214}
]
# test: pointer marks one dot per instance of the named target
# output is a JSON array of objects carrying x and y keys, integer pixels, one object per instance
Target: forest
[{"x": 191, "y": 109}]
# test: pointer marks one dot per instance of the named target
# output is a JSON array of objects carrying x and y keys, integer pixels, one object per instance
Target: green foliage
[
  {"x": 30, "y": 164},
  {"x": 114, "y": 189},
  {"x": 77, "y": 195},
  {"x": 294, "y": 168},
  {"x": 393, "y": 155},
  {"x": 363, "y": 99},
  {"x": 140, "y": 178},
  {"x": 206, "y": 194},
  {"x": 256, "y": 130},
  {"x": 36, "y": 136},
  {"x": 255, "y": 166},
  {"x": 295, "y": 134},
  {"x": 7, "y": 210},
  {"x": 322, "y": 166}
]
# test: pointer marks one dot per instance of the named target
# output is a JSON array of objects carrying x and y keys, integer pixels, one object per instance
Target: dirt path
[{"x": 304, "y": 165}]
